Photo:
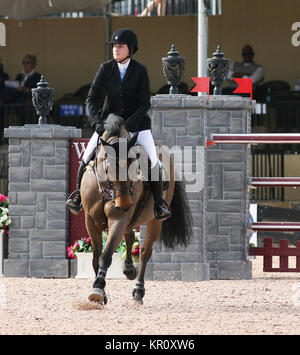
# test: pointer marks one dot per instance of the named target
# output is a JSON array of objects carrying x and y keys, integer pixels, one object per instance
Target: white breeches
[{"x": 144, "y": 139}]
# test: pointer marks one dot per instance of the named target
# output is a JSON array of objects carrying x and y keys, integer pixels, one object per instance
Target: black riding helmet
[{"x": 126, "y": 36}]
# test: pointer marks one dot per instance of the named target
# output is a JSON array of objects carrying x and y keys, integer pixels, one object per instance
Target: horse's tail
[{"x": 177, "y": 230}]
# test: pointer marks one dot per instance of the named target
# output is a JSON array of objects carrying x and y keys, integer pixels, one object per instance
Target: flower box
[
  {"x": 5, "y": 221},
  {"x": 85, "y": 268},
  {"x": 82, "y": 250},
  {"x": 1, "y": 252}
]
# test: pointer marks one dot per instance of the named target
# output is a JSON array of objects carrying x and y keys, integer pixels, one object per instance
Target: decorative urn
[
  {"x": 217, "y": 67},
  {"x": 173, "y": 68},
  {"x": 42, "y": 99}
]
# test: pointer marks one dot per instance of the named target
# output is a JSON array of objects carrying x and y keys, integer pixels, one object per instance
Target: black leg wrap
[
  {"x": 100, "y": 279},
  {"x": 130, "y": 271},
  {"x": 99, "y": 282},
  {"x": 139, "y": 290},
  {"x": 102, "y": 273}
]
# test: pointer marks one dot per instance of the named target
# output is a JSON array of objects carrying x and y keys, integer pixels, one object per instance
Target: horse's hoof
[
  {"x": 98, "y": 296},
  {"x": 130, "y": 271},
  {"x": 138, "y": 294},
  {"x": 137, "y": 301}
]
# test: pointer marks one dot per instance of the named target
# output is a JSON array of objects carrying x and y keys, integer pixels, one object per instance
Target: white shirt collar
[
  {"x": 123, "y": 66},
  {"x": 29, "y": 74}
]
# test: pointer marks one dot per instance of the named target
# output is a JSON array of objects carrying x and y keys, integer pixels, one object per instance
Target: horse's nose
[{"x": 123, "y": 203}]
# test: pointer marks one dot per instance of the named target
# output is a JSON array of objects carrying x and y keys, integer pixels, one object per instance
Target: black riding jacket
[{"x": 129, "y": 99}]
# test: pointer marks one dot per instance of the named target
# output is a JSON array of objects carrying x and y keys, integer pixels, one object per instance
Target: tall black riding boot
[
  {"x": 161, "y": 208},
  {"x": 75, "y": 204}
]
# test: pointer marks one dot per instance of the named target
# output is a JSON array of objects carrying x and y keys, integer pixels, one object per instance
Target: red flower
[
  {"x": 3, "y": 198},
  {"x": 136, "y": 251},
  {"x": 87, "y": 240},
  {"x": 70, "y": 253}
]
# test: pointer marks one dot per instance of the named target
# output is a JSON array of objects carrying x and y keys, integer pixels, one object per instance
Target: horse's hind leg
[
  {"x": 129, "y": 269},
  {"x": 152, "y": 234}
]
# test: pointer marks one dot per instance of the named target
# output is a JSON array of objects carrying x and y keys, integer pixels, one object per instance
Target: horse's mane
[{"x": 113, "y": 125}]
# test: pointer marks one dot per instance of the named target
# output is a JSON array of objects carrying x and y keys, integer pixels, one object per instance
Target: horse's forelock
[{"x": 114, "y": 126}]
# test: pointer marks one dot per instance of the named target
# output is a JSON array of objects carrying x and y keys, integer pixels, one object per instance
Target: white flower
[
  {"x": 8, "y": 222},
  {"x": 4, "y": 218}
]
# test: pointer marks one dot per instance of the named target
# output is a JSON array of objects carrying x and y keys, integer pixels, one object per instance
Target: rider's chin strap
[
  {"x": 129, "y": 56},
  {"x": 121, "y": 61}
]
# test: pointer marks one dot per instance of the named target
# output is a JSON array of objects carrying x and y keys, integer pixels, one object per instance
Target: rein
[{"x": 108, "y": 190}]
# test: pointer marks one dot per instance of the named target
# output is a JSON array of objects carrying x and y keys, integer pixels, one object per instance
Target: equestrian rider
[{"x": 127, "y": 88}]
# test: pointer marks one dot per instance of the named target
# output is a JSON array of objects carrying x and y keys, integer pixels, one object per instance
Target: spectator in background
[
  {"x": 19, "y": 91},
  {"x": 161, "y": 7},
  {"x": 297, "y": 85},
  {"x": 245, "y": 69},
  {"x": 3, "y": 76}
]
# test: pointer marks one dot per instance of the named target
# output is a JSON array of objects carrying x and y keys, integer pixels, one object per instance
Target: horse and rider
[
  {"x": 127, "y": 88},
  {"x": 116, "y": 205}
]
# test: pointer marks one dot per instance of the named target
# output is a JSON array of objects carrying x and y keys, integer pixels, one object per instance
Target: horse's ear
[
  {"x": 132, "y": 141},
  {"x": 109, "y": 149},
  {"x": 104, "y": 143}
]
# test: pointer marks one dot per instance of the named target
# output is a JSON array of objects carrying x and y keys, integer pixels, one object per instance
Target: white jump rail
[
  {"x": 275, "y": 181},
  {"x": 269, "y": 138},
  {"x": 276, "y": 226},
  {"x": 253, "y": 138}
]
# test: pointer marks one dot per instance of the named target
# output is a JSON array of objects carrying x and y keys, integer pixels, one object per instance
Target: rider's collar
[{"x": 123, "y": 66}]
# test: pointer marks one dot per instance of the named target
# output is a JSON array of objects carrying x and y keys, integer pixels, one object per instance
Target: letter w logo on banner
[
  {"x": 202, "y": 85},
  {"x": 244, "y": 86}
]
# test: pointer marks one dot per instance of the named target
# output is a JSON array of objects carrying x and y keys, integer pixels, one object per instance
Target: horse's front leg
[
  {"x": 152, "y": 234},
  {"x": 95, "y": 232},
  {"x": 129, "y": 269},
  {"x": 116, "y": 230}
]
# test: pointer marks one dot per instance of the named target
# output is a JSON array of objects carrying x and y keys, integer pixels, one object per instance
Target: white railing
[
  {"x": 173, "y": 7},
  {"x": 136, "y": 7}
]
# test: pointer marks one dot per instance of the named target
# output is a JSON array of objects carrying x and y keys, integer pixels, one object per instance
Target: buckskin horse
[{"x": 120, "y": 206}]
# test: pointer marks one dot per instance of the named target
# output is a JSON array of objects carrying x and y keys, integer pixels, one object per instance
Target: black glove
[{"x": 99, "y": 128}]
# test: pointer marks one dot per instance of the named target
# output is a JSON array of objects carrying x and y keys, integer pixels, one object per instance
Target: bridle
[{"x": 107, "y": 189}]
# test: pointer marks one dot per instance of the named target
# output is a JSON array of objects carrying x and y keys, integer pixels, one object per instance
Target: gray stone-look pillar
[
  {"x": 38, "y": 186},
  {"x": 178, "y": 123},
  {"x": 220, "y": 206},
  {"x": 227, "y": 203}
]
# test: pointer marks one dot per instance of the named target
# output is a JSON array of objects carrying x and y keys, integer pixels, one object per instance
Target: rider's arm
[{"x": 92, "y": 100}]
